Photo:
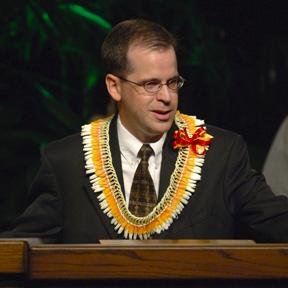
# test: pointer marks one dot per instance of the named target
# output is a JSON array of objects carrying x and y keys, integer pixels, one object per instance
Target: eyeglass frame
[{"x": 160, "y": 84}]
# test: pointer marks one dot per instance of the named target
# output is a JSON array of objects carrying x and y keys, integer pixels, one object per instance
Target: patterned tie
[{"x": 143, "y": 196}]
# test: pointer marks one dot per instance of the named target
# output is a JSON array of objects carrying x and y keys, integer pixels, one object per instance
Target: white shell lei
[{"x": 105, "y": 184}]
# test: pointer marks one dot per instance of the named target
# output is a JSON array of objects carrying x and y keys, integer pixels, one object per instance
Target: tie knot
[{"x": 145, "y": 152}]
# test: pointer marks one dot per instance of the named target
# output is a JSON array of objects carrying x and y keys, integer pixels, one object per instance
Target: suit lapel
[
  {"x": 169, "y": 157},
  {"x": 115, "y": 151}
]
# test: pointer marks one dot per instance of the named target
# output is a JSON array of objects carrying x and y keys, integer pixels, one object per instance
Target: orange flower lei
[{"x": 106, "y": 186}]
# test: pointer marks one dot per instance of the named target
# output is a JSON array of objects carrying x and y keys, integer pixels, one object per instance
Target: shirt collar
[{"x": 130, "y": 145}]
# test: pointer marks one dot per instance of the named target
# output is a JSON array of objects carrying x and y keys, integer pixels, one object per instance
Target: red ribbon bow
[{"x": 199, "y": 141}]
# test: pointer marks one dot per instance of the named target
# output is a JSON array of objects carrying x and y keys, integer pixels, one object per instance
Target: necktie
[{"x": 142, "y": 196}]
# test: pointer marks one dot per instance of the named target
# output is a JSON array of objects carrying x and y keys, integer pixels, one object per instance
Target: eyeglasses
[{"x": 154, "y": 86}]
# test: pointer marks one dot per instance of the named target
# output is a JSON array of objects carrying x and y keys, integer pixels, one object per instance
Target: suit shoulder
[
  {"x": 223, "y": 133},
  {"x": 68, "y": 141},
  {"x": 226, "y": 139},
  {"x": 69, "y": 146}
]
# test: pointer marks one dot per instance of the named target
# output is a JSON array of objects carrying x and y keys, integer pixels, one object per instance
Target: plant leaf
[{"x": 87, "y": 14}]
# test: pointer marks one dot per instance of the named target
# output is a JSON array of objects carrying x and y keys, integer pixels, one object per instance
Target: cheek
[
  {"x": 141, "y": 103},
  {"x": 135, "y": 107},
  {"x": 176, "y": 101}
]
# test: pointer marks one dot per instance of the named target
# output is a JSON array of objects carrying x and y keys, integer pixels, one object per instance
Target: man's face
[{"x": 148, "y": 115}]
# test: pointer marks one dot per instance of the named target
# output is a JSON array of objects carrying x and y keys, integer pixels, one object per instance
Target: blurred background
[{"x": 233, "y": 54}]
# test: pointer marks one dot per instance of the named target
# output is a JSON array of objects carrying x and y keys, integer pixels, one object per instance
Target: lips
[{"x": 162, "y": 115}]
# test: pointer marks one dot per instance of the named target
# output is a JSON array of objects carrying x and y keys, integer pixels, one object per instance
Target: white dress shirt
[{"x": 129, "y": 148}]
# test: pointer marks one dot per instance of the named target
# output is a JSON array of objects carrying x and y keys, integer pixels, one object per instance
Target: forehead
[{"x": 152, "y": 61}]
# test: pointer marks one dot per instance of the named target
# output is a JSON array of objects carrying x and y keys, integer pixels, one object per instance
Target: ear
[{"x": 113, "y": 87}]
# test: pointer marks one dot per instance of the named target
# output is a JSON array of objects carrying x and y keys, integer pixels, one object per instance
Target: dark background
[{"x": 234, "y": 55}]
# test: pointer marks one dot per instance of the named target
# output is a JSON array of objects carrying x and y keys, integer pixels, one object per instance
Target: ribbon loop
[{"x": 199, "y": 142}]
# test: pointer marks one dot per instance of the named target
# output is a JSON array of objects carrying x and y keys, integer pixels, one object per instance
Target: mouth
[{"x": 162, "y": 115}]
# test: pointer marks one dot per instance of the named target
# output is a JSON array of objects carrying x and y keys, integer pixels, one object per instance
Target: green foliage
[
  {"x": 88, "y": 15},
  {"x": 50, "y": 59}
]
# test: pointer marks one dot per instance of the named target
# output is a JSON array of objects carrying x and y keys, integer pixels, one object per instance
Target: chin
[{"x": 163, "y": 128}]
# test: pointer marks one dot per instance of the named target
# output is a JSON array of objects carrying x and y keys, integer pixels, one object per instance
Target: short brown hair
[{"x": 136, "y": 31}]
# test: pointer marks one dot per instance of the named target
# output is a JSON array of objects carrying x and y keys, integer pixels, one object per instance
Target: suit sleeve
[
  {"x": 43, "y": 216},
  {"x": 251, "y": 200}
]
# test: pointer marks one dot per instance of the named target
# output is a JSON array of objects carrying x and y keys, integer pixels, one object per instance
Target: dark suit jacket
[{"x": 230, "y": 201}]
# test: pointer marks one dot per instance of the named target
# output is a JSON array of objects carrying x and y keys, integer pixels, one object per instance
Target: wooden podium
[
  {"x": 182, "y": 262},
  {"x": 13, "y": 257}
]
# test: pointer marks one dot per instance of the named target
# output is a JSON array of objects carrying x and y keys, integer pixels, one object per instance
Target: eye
[
  {"x": 152, "y": 85},
  {"x": 173, "y": 83}
]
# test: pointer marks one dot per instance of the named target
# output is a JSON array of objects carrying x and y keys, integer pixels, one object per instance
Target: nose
[{"x": 164, "y": 94}]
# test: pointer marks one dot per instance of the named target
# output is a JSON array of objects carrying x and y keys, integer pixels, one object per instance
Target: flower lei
[{"x": 182, "y": 185}]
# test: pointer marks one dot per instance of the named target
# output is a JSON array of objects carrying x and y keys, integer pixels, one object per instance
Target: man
[{"x": 197, "y": 184}]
